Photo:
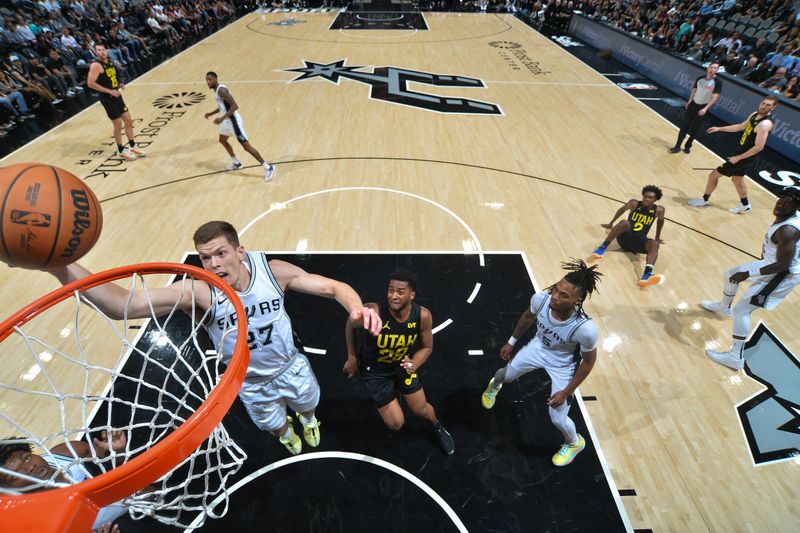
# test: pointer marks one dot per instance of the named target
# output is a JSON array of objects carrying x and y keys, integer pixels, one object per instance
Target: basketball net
[{"x": 157, "y": 381}]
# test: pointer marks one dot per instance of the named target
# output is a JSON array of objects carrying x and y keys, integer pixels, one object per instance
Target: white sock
[
  {"x": 738, "y": 348},
  {"x": 305, "y": 421},
  {"x": 234, "y": 160},
  {"x": 265, "y": 164},
  {"x": 288, "y": 433}
]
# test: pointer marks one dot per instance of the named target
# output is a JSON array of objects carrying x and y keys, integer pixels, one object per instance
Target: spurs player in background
[
  {"x": 279, "y": 375},
  {"x": 230, "y": 123},
  {"x": 562, "y": 328},
  {"x": 773, "y": 277}
]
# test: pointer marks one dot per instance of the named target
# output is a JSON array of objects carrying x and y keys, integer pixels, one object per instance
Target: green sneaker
[
  {"x": 488, "y": 396},
  {"x": 310, "y": 432},
  {"x": 568, "y": 452},
  {"x": 293, "y": 443}
]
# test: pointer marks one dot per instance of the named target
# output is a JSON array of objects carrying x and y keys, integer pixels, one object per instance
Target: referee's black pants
[{"x": 691, "y": 123}]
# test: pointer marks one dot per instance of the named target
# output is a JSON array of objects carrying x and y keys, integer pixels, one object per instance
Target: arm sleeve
[
  {"x": 717, "y": 85},
  {"x": 586, "y": 336}
]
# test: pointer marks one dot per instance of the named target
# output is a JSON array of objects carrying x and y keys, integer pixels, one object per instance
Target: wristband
[
  {"x": 512, "y": 340},
  {"x": 755, "y": 271}
]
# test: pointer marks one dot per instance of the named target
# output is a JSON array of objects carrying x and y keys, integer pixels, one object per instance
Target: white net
[{"x": 87, "y": 393}]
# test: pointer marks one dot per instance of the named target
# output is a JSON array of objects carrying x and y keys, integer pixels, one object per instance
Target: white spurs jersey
[
  {"x": 559, "y": 339},
  {"x": 769, "y": 252},
  {"x": 269, "y": 329},
  {"x": 223, "y": 107}
]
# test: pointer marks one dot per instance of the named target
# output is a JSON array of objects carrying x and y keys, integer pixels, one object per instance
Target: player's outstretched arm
[
  {"x": 351, "y": 364},
  {"x": 295, "y": 278},
  {"x": 630, "y": 205},
  {"x": 118, "y": 303},
  {"x": 525, "y": 321},
  {"x": 412, "y": 364}
]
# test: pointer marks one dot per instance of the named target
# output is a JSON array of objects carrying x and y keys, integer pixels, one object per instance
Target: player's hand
[
  {"x": 686, "y": 105},
  {"x": 206, "y": 115},
  {"x": 733, "y": 159},
  {"x": 218, "y": 120},
  {"x": 739, "y": 277},
  {"x": 115, "y": 93},
  {"x": 350, "y": 367},
  {"x": 607, "y": 226},
  {"x": 108, "y": 527},
  {"x": 660, "y": 241},
  {"x": 117, "y": 442},
  {"x": 368, "y": 318},
  {"x": 408, "y": 365},
  {"x": 505, "y": 352},
  {"x": 121, "y": 86},
  {"x": 702, "y": 112},
  {"x": 557, "y": 399},
  {"x": 712, "y": 129}
]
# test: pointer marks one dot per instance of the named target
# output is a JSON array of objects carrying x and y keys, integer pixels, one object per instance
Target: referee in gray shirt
[{"x": 705, "y": 92}]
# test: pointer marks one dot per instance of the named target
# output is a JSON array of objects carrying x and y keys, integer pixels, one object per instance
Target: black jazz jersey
[
  {"x": 748, "y": 139},
  {"x": 641, "y": 218},
  {"x": 108, "y": 77},
  {"x": 395, "y": 341}
]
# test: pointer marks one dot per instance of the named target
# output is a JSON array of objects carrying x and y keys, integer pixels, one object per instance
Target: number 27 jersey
[{"x": 269, "y": 328}]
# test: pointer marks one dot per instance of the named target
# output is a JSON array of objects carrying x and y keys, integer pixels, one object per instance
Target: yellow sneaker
[
  {"x": 568, "y": 452},
  {"x": 488, "y": 396},
  {"x": 293, "y": 442},
  {"x": 310, "y": 432}
]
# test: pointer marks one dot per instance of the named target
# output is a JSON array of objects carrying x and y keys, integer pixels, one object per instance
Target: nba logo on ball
[{"x": 48, "y": 216}]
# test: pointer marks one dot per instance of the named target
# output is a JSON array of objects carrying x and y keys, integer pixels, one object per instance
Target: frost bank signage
[{"x": 734, "y": 105}]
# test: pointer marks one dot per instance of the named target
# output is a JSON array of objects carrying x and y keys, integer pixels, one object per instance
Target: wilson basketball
[{"x": 48, "y": 217}]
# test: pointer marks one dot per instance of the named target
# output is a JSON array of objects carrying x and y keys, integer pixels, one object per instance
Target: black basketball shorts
[
  {"x": 114, "y": 106},
  {"x": 384, "y": 385}
]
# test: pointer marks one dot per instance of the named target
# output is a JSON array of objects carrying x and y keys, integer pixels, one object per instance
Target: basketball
[{"x": 48, "y": 216}]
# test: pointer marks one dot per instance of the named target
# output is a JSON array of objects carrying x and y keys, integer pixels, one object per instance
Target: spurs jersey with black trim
[
  {"x": 396, "y": 340},
  {"x": 641, "y": 218},
  {"x": 560, "y": 339},
  {"x": 221, "y": 104},
  {"x": 269, "y": 329},
  {"x": 748, "y": 138},
  {"x": 769, "y": 250},
  {"x": 108, "y": 76}
]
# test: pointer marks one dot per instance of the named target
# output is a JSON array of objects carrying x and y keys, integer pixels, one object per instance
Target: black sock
[
  {"x": 648, "y": 269},
  {"x": 606, "y": 243},
  {"x": 706, "y": 197},
  {"x": 437, "y": 426},
  {"x": 132, "y": 143},
  {"x": 745, "y": 201},
  {"x": 120, "y": 148}
]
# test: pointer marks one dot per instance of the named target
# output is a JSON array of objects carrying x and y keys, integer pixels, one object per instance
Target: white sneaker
[
  {"x": 127, "y": 154},
  {"x": 697, "y": 202},
  {"x": 234, "y": 165},
  {"x": 740, "y": 209},
  {"x": 269, "y": 171},
  {"x": 728, "y": 359},
  {"x": 716, "y": 307}
]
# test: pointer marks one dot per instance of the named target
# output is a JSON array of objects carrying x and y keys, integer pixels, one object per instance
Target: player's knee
[
  {"x": 395, "y": 424},
  {"x": 624, "y": 224}
]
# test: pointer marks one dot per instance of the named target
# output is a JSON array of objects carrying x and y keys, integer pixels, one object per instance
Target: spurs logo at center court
[{"x": 390, "y": 84}]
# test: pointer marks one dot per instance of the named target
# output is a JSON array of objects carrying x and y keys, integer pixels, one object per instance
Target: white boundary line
[{"x": 337, "y": 455}]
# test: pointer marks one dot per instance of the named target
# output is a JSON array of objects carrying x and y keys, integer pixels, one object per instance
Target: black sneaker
[
  {"x": 445, "y": 440},
  {"x": 675, "y": 149},
  {"x": 687, "y": 148}
]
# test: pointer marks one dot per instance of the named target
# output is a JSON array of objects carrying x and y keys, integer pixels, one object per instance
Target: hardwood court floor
[{"x": 363, "y": 174}]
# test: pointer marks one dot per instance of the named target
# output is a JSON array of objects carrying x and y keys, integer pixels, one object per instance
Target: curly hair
[
  {"x": 581, "y": 275},
  {"x": 653, "y": 189},
  {"x": 7, "y": 448},
  {"x": 792, "y": 192}
]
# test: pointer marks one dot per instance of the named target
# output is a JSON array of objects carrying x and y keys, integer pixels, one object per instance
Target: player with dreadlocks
[
  {"x": 563, "y": 331},
  {"x": 773, "y": 277}
]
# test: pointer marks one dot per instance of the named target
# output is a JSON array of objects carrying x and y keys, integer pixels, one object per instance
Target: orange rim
[{"x": 75, "y": 507}]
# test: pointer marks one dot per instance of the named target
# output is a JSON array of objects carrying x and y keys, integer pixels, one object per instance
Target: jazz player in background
[
  {"x": 755, "y": 131},
  {"x": 562, "y": 330},
  {"x": 389, "y": 363},
  {"x": 278, "y": 375},
  {"x": 773, "y": 277},
  {"x": 230, "y": 123},
  {"x": 104, "y": 79},
  {"x": 631, "y": 234}
]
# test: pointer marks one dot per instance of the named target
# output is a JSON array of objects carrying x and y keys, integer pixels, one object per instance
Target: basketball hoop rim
[{"x": 128, "y": 478}]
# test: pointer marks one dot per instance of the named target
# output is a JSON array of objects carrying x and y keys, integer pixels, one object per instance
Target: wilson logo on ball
[{"x": 80, "y": 220}]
